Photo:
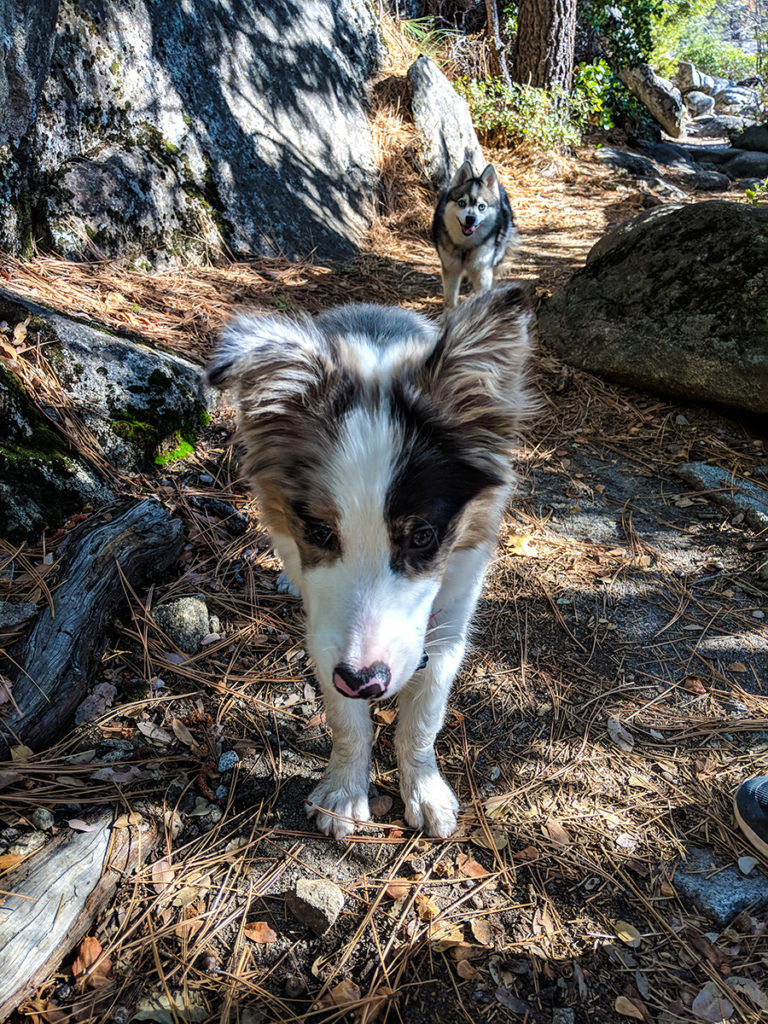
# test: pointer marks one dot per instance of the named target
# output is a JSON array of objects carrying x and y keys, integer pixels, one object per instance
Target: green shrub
[
  {"x": 711, "y": 55},
  {"x": 523, "y": 117},
  {"x": 757, "y": 195}
]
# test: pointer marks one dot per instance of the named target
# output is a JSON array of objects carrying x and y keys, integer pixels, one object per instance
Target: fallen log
[
  {"x": 124, "y": 544},
  {"x": 49, "y": 902}
]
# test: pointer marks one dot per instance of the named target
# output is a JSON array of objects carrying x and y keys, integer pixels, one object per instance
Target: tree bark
[
  {"x": 546, "y": 32},
  {"x": 496, "y": 48},
  {"x": 139, "y": 540}
]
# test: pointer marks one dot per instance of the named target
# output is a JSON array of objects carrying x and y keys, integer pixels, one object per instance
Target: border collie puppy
[{"x": 378, "y": 448}]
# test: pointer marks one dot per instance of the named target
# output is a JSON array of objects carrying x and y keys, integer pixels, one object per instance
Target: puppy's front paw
[
  {"x": 429, "y": 804},
  {"x": 285, "y": 585},
  {"x": 338, "y": 807}
]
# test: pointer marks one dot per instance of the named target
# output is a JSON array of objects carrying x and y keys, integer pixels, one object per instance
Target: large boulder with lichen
[
  {"x": 149, "y": 129},
  {"x": 130, "y": 405},
  {"x": 661, "y": 98},
  {"x": 675, "y": 301}
]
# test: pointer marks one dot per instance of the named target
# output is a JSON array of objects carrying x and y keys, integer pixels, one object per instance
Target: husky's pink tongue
[{"x": 467, "y": 231}]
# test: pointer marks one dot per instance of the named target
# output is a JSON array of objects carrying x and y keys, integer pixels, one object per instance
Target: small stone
[
  {"x": 757, "y": 614},
  {"x": 42, "y": 818},
  {"x": 293, "y": 986},
  {"x": 206, "y": 478},
  {"x": 228, "y": 760},
  {"x": 721, "y": 894},
  {"x": 316, "y": 903},
  {"x": 185, "y": 621},
  {"x": 221, "y": 792},
  {"x": 563, "y": 1015}
]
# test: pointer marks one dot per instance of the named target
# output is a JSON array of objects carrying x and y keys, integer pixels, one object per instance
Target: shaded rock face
[
  {"x": 675, "y": 301},
  {"x": 444, "y": 123},
  {"x": 141, "y": 406},
  {"x": 754, "y": 138},
  {"x": 181, "y": 125}
]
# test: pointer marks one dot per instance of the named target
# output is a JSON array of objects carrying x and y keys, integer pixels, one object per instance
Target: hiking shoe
[{"x": 751, "y": 806}]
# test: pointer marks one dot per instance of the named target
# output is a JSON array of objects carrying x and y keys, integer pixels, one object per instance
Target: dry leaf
[
  {"x": 557, "y": 833},
  {"x": 711, "y": 1006},
  {"x": 91, "y": 968},
  {"x": 746, "y": 864},
  {"x": 465, "y": 970},
  {"x": 153, "y": 732},
  {"x": 628, "y": 934},
  {"x": 693, "y": 684},
  {"x": 345, "y": 992},
  {"x": 385, "y": 716},
  {"x": 10, "y": 860},
  {"x": 318, "y": 719},
  {"x": 619, "y": 735},
  {"x": 259, "y": 931},
  {"x": 191, "y": 923},
  {"x": 426, "y": 908},
  {"x": 163, "y": 875},
  {"x": 374, "y": 1005},
  {"x": 181, "y": 732},
  {"x": 627, "y": 1008},
  {"x": 380, "y": 806},
  {"x": 124, "y": 820},
  {"x": 81, "y": 826},
  {"x": 444, "y": 935},
  {"x": 466, "y": 951},
  {"x": 521, "y": 544},
  {"x": 20, "y": 753},
  {"x": 397, "y": 889},
  {"x": 469, "y": 867},
  {"x": 737, "y": 666},
  {"x": 667, "y": 889},
  {"x": 497, "y": 839},
  {"x": 528, "y": 855},
  {"x": 749, "y": 988},
  {"x": 482, "y": 931}
]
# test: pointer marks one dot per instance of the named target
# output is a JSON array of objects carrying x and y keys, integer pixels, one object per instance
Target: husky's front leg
[{"x": 341, "y": 798}]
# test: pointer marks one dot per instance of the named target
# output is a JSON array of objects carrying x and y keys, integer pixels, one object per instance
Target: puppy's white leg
[
  {"x": 429, "y": 800},
  {"x": 343, "y": 792},
  {"x": 289, "y": 580},
  {"x": 482, "y": 280}
]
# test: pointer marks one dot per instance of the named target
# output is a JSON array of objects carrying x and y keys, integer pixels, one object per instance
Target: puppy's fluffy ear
[
  {"x": 269, "y": 361},
  {"x": 476, "y": 375},
  {"x": 463, "y": 174}
]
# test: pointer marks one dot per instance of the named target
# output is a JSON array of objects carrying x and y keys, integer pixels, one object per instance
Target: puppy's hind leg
[{"x": 341, "y": 798}]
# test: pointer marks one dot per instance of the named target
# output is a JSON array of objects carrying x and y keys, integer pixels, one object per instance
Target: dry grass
[{"x": 563, "y": 834}]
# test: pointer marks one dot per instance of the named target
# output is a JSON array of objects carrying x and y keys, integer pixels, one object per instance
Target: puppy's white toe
[
  {"x": 430, "y": 804},
  {"x": 285, "y": 585},
  {"x": 338, "y": 808}
]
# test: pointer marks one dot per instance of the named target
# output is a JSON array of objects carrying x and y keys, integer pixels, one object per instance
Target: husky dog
[
  {"x": 472, "y": 229},
  {"x": 379, "y": 451}
]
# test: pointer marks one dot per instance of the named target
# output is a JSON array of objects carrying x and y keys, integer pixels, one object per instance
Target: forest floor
[{"x": 612, "y": 701}]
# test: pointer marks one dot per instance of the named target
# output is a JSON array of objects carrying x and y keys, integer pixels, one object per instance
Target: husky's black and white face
[
  {"x": 378, "y": 449},
  {"x": 472, "y": 202}
]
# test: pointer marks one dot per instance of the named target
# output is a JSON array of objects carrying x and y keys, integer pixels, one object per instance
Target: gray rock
[
  {"x": 711, "y": 181},
  {"x": 663, "y": 188},
  {"x": 563, "y": 1015},
  {"x": 669, "y": 154},
  {"x": 744, "y": 183},
  {"x": 14, "y": 616},
  {"x": 754, "y": 138},
  {"x": 316, "y": 903},
  {"x": 140, "y": 403},
  {"x": 721, "y": 894},
  {"x": 712, "y": 154},
  {"x": 733, "y": 493},
  {"x": 688, "y": 79},
  {"x": 184, "y": 621},
  {"x": 42, "y": 819},
  {"x": 444, "y": 124},
  {"x": 747, "y": 165},
  {"x": 660, "y": 97},
  {"x": 228, "y": 760},
  {"x": 734, "y": 100},
  {"x": 171, "y": 126},
  {"x": 698, "y": 103},
  {"x": 721, "y": 126},
  {"x": 631, "y": 315},
  {"x": 622, "y": 160}
]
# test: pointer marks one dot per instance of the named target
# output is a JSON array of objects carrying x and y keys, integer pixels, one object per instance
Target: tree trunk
[
  {"x": 546, "y": 31},
  {"x": 496, "y": 49}
]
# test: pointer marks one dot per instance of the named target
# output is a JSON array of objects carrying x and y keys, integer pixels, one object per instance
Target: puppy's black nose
[
  {"x": 371, "y": 681},
  {"x": 470, "y": 219}
]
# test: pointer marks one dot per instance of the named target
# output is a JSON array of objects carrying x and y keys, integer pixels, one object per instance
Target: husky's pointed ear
[
  {"x": 476, "y": 376},
  {"x": 489, "y": 179},
  {"x": 269, "y": 361},
  {"x": 463, "y": 174}
]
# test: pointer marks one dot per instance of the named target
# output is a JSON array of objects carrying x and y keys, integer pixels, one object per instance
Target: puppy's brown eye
[
  {"x": 320, "y": 535},
  {"x": 423, "y": 540}
]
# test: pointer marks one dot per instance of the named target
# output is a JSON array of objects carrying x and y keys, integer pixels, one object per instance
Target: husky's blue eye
[
  {"x": 462, "y": 203},
  {"x": 481, "y": 206}
]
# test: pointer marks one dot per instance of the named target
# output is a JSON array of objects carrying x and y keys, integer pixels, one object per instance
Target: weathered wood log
[
  {"x": 138, "y": 541},
  {"x": 50, "y": 901}
]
